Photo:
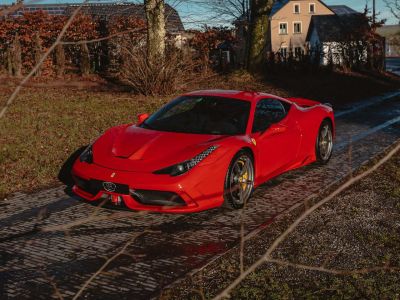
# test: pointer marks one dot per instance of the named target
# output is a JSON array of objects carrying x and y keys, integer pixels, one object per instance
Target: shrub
[{"x": 163, "y": 78}]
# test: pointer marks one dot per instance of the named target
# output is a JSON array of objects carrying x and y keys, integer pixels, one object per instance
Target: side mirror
[{"x": 141, "y": 118}]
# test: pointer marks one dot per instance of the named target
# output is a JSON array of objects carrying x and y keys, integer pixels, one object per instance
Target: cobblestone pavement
[{"x": 33, "y": 262}]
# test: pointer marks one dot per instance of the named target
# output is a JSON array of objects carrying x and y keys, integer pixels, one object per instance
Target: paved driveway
[
  {"x": 393, "y": 65},
  {"x": 32, "y": 262}
]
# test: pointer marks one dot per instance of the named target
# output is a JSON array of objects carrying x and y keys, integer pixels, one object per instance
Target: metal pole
[{"x": 373, "y": 12}]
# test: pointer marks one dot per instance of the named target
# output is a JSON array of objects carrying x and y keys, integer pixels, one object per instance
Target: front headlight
[
  {"x": 87, "y": 155},
  {"x": 187, "y": 165}
]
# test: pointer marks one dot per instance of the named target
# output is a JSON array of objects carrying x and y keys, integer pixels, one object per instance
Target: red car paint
[{"x": 129, "y": 155}]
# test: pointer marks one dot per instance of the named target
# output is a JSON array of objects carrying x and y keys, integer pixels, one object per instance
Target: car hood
[{"x": 131, "y": 148}]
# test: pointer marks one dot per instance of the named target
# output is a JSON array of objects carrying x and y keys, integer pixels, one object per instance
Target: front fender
[{"x": 229, "y": 147}]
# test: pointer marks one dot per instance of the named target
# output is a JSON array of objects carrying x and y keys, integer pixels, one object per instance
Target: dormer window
[
  {"x": 312, "y": 8},
  {"x": 296, "y": 8}
]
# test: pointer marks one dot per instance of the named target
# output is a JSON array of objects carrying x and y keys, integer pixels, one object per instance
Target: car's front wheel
[
  {"x": 324, "y": 145},
  {"x": 239, "y": 182}
]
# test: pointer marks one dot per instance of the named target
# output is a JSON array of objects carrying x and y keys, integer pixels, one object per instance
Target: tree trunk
[
  {"x": 85, "y": 60},
  {"x": 259, "y": 33},
  {"x": 9, "y": 61},
  {"x": 60, "y": 60},
  {"x": 155, "y": 31},
  {"x": 37, "y": 52},
  {"x": 17, "y": 60}
]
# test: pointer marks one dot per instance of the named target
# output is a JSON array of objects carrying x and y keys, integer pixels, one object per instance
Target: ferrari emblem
[
  {"x": 112, "y": 175},
  {"x": 109, "y": 186},
  {"x": 254, "y": 142}
]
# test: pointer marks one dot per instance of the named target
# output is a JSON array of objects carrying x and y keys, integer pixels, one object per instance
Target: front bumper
[{"x": 194, "y": 191}]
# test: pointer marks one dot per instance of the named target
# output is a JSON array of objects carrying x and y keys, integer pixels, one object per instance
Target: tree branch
[{"x": 267, "y": 256}]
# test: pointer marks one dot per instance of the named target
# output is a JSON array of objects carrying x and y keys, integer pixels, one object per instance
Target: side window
[{"x": 268, "y": 112}]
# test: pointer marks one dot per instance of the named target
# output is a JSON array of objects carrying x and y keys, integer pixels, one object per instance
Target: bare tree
[
  {"x": 394, "y": 6},
  {"x": 60, "y": 60},
  {"x": 85, "y": 60},
  {"x": 9, "y": 55},
  {"x": 155, "y": 17},
  {"x": 17, "y": 59},
  {"x": 227, "y": 10},
  {"x": 37, "y": 49},
  {"x": 259, "y": 27}
]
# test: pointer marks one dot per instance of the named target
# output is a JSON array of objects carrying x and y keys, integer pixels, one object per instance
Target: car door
[{"x": 277, "y": 137}]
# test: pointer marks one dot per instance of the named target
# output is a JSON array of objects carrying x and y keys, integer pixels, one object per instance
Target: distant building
[
  {"x": 391, "y": 33},
  {"x": 329, "y": 36},
  {"x": 289, "y": 23}
]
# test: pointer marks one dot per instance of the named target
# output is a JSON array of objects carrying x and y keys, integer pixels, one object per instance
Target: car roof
[{"x": 242, "y": 95}]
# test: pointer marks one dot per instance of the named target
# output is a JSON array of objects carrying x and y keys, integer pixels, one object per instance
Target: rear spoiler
[{"x": 303, "y": 102}]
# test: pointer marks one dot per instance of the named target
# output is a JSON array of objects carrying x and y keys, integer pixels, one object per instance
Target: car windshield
[{"x": 201, "y": 115}]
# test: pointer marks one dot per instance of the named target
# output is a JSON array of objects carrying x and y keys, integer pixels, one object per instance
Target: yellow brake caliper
[{"x": 243, "y": 179}]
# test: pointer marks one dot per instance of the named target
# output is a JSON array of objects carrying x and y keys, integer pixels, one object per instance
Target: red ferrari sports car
[{"x": 203, "y": 150}]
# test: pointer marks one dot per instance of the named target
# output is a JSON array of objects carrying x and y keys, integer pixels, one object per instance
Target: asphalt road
[
  {"x": 33, "y": 262},
  {"x": 393, "y": 65}
]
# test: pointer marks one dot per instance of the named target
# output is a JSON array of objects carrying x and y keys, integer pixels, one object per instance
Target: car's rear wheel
[
  {"x": 324, "y": 145},
  {"x": 239, "y": 182}
]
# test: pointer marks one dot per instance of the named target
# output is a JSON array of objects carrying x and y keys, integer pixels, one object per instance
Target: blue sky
[
  {"x": 360, "y": 4},
  {"x": 195, "y": 15}
]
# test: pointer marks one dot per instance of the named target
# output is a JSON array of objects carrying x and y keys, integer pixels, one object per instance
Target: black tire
[
  {"x": 65, "y": 173},
  {"x": 324, "y": 143},
  {"x": 237, "y": 198}
]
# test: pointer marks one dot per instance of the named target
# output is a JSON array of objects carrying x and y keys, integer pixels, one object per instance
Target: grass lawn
[
  {"x": 50, "y": 120},
  {"x": 45, "y": 126},
  {"x": 359, "y": 229}
]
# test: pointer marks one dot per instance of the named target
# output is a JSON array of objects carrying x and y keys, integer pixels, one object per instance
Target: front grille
[
  {"x": 157, "y": 198},
  {"x": 89, "y": 186},
  {"x": 94, "y": 186}
]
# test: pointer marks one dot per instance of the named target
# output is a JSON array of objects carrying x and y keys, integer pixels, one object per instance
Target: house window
[
  {"x": 297, "y": 27},
  {"x": 282, "y": 28},
  {"x": 296, "y": 8},
  {"x": 312, "y": 8},
  {"x": 298, "y": 51},
  {"x": 283, "y": 51}
]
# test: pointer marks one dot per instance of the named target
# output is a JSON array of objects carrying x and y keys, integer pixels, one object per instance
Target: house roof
[
  {"x": 281, "y": 3},
  {"x": 277, "y": 6},
  {"x": 342, "y": 10},
  {"x": 388, "y": 30},
  {"x": 335, "y": 28},
  {"x": 106, "y": 10}
]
